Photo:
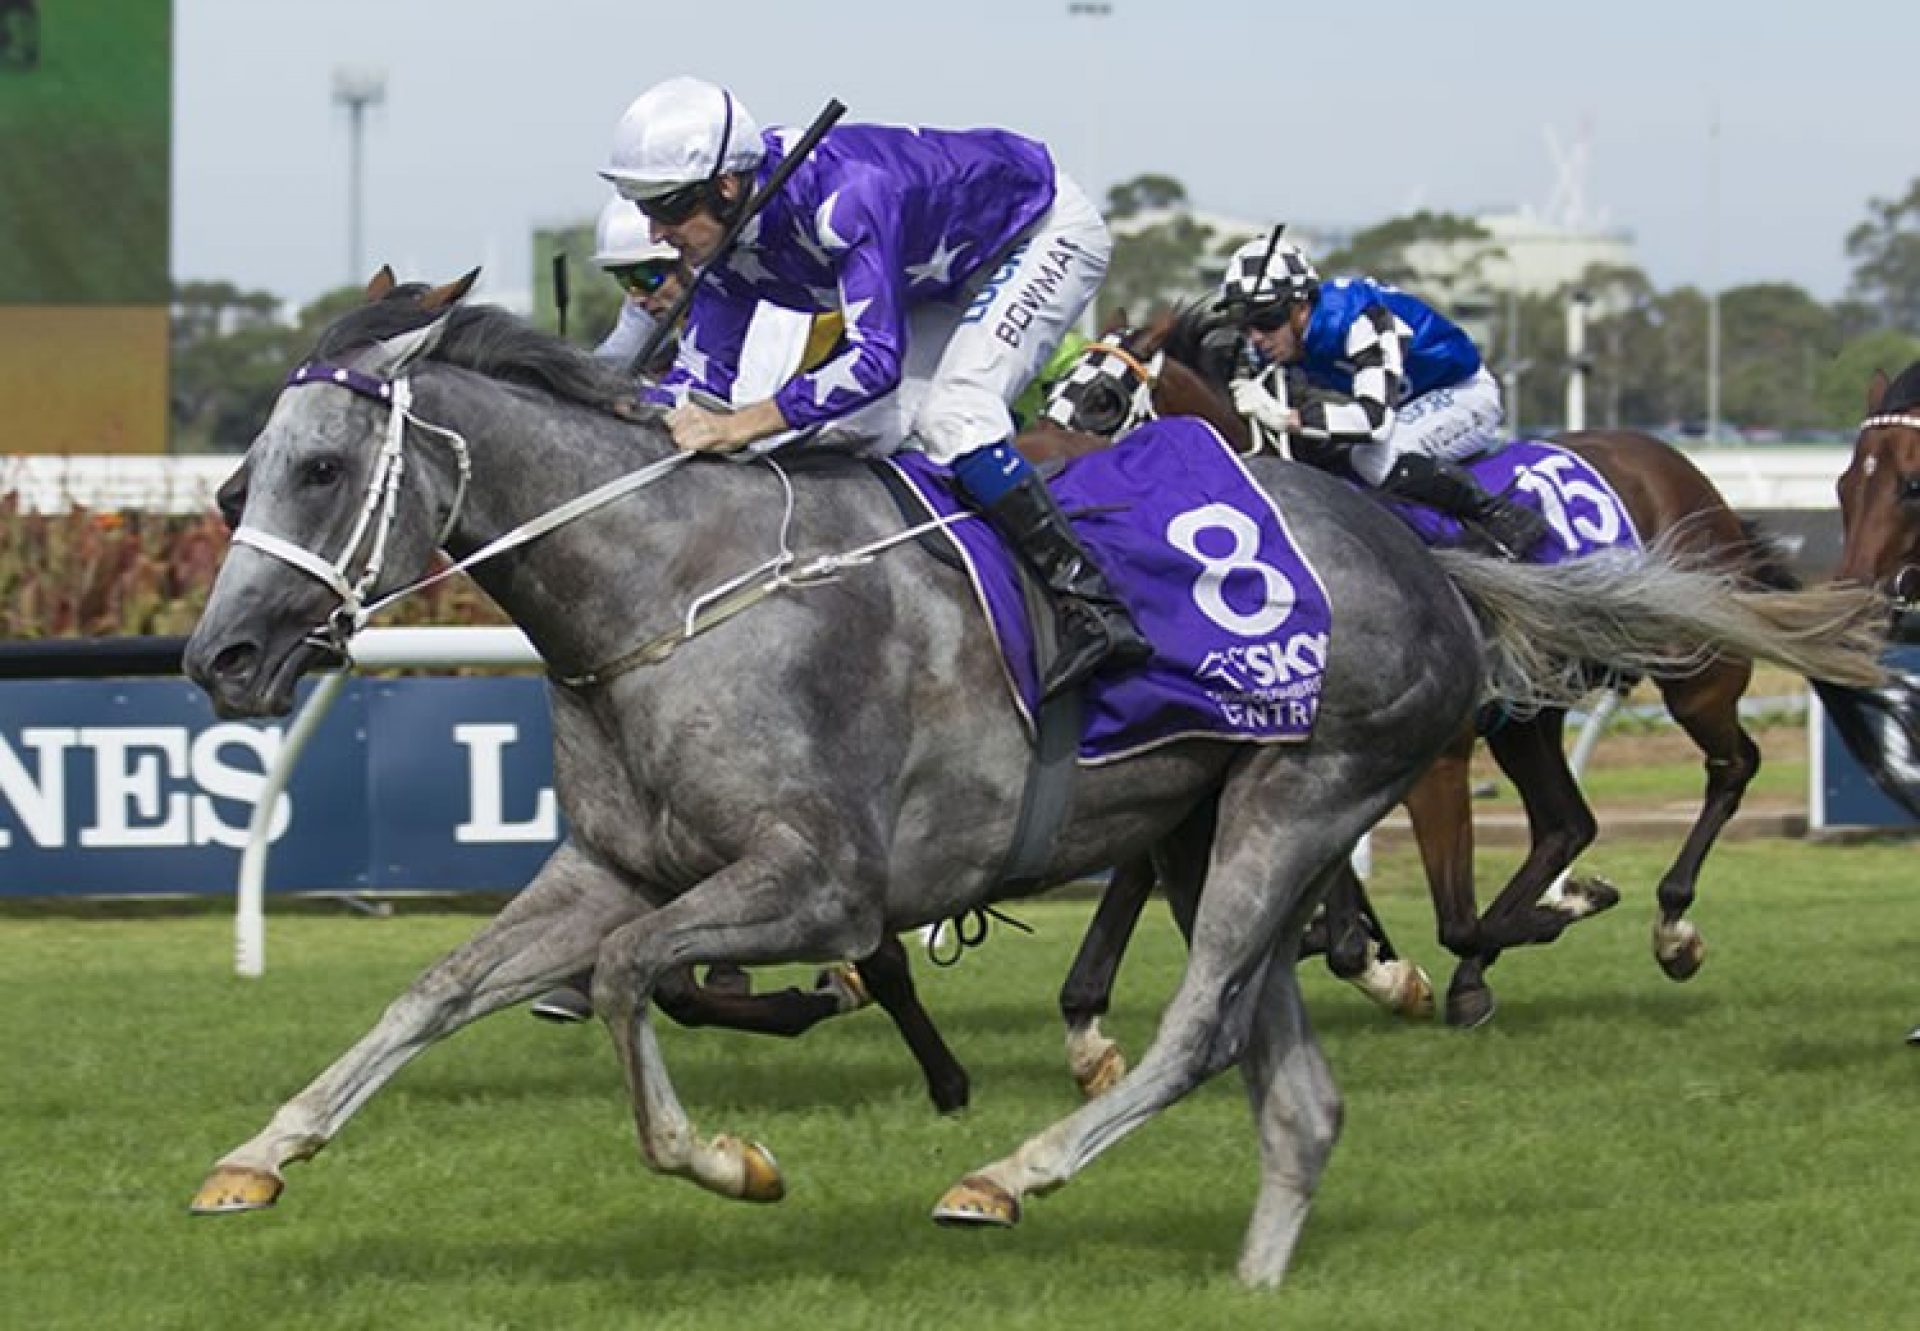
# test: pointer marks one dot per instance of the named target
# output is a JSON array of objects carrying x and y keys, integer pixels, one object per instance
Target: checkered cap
[{"x": 1267, "y": 271}]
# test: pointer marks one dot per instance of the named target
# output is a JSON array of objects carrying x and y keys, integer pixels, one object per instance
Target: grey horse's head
[{"x": 306, "y": 482}]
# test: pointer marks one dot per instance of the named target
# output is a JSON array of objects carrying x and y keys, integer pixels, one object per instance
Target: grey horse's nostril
[{"x": 236, "y": 661}]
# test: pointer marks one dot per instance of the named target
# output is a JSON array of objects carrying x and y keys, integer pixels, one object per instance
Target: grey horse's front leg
[
  {"x": 1296, "y": 1109},
  {"x": 782, "y": 902},
  {"x": 549, "y": 928}
]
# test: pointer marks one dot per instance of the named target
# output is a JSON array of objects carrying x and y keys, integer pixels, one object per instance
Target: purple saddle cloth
[
  {"x": 1239, "y": 621},
  {"x": 1585, "y": 514}
]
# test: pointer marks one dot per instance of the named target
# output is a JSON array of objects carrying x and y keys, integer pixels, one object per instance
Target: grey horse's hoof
[{"x": 978, "y": 1202}]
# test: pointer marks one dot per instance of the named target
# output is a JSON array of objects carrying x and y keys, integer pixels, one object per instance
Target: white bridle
[
  {"x": 1875, "y": 422},
  {"x": 380, "y": 508}
]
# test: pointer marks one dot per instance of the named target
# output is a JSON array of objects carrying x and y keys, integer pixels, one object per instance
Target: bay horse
[
  {"x": 1183, "y": 362},
  {"x": 1880, "y": 515},
  {"x": 825, "y": 757}
]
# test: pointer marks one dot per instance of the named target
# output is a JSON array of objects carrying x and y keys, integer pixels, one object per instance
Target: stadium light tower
[
  {"x": 356, "y": 88},
  {"x": 1092, "y": 10}
]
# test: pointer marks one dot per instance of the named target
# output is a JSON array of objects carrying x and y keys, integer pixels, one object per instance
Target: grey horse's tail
[{"x": 1654, "y": 613}]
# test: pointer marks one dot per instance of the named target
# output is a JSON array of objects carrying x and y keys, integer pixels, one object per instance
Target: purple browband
[{"x": 319, "y": 372}]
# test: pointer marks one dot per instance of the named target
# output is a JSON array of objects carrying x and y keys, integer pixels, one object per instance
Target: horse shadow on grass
[{"x": 862, "y": 1240}]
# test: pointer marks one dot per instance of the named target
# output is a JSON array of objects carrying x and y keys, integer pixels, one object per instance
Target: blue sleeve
[{"x": 859, "y": 227}]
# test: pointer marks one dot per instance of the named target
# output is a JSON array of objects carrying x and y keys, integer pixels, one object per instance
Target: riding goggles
[{"x": 643, "y": 278}]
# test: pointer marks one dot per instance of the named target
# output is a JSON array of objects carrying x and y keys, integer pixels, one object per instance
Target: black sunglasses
[
  {"x": 674, "y": 208},
  {"x": 644, "y": 278},
  {"x": 1269, "y": 318}
]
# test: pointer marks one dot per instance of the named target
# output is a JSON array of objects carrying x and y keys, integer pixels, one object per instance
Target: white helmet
[
  {"x": 1265, "y": 272},
  {"x": 680, "y": 133},
  {"x": 622, "y": 236}
]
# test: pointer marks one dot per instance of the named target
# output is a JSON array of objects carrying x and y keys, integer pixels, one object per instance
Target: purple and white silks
[
  {"x": 1238, "y": 620},
  {"x": 1585, "y": 514},
  {"x": 878, "y": 220}
]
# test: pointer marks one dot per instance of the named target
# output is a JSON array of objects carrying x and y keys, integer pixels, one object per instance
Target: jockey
[
  {"x": 648, "y": 271},
  {"x": 958, "y": 260},
  {"x": 779, "y": 342},
  {"x": 1407, "y": 394}
]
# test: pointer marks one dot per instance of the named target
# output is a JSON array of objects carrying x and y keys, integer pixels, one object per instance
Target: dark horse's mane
[
  {"x": 490, "y": 341},
  {"x": 1190, "y": 340},
  {"x": 1904, "y": 391}
]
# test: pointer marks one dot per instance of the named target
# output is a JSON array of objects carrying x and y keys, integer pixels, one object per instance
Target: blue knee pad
[{"x": 988, "y": 473}]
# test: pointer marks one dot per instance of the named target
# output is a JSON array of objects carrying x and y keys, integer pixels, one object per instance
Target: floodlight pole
[
  {"x": 357, "y": 89},
  {"x": 1091, "y": 9}
]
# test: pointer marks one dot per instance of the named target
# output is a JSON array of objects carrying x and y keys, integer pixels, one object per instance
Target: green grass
[{"x": 1614, "y": 1151}]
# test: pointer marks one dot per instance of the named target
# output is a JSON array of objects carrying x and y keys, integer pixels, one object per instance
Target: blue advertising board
[{"x": 135, "y": 787}]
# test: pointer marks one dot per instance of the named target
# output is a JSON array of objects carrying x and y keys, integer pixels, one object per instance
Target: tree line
[{"x": 1790, "y": 364}]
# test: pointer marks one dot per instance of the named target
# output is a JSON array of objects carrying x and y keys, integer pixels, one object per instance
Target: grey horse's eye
[{"x": 321, "y": 472}]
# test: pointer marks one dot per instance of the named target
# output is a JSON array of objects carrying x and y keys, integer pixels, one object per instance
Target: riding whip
[
  {"x": 823, "y": 122},
  {"x": 560, "y": 288}
]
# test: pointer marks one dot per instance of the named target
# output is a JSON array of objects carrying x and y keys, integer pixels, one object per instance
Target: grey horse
[{"x": 838, "y": 761}]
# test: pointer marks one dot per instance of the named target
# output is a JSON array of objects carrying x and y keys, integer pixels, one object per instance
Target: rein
[{"x": 380, "y": 509}]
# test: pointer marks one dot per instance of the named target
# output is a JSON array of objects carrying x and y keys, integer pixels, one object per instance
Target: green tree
[
  {"x": 1841, "y": 390},
  {"x": 1439, "y": 256},
  {"x": 1774, "y": 339},
  {"x": 1885, "y": 250},
  {"x": 230, "y": 355},
  {"x": 1153, "y": 266},
  {"x": 1144, "y": 194}
]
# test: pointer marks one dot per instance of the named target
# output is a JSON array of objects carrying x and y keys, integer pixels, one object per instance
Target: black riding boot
[
  {"x": 1095, "y": 629},
  {"x": 1454, "y": 491}
]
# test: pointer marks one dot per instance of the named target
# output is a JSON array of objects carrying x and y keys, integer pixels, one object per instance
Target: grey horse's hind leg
[
  {"x": 1296, "y": 1109},
  {"x": 1259, "y": 888},
  {"x": 546, "y": 931}
]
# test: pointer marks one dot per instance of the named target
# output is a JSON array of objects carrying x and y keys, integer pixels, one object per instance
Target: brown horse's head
[
  {"x": 1880, "y": 492},
  {"x": 1104, "y": 393}
]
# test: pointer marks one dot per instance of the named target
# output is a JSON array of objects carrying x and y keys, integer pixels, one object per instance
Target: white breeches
[
  {"x": 966, "y": 361},
  {"x": 1450, "y": 424}
]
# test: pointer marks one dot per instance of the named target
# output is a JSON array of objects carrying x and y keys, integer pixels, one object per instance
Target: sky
[{"x": 498, "y": 112}]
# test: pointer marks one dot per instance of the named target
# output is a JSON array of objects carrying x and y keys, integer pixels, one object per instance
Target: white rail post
[
  {"x": 418, "y": 648},
  {"x": 250, "y": 912}
]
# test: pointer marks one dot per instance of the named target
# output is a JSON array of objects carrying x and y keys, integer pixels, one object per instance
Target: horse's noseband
[{"x": 1108, "y": 390}]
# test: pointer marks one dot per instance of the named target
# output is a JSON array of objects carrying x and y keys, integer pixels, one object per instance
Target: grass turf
[{"x": 1614, "y": 1151}]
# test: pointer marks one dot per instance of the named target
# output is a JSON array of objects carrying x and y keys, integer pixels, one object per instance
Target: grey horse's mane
[{"x": 490, "y": 341}]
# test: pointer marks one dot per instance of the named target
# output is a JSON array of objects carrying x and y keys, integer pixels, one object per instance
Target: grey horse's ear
[
  {"x": 392, "y": 356},
  {"x": 451, "y": 293}
]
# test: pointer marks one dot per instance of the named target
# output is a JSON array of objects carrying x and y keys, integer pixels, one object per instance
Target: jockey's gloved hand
[{"x": 1254, "y": 400}]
